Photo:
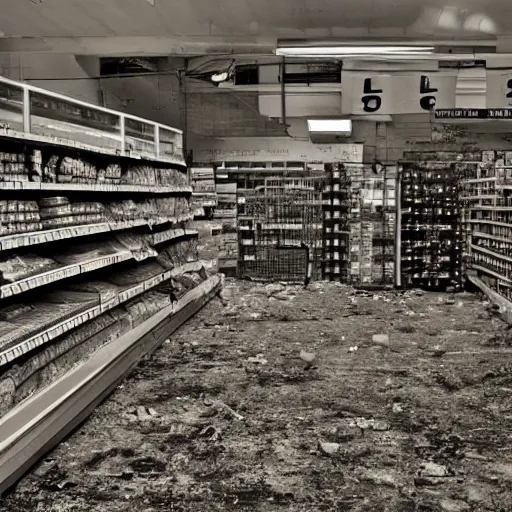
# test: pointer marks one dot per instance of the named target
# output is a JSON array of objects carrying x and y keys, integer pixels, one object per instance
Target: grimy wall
[{"x": 155, "y": 97}]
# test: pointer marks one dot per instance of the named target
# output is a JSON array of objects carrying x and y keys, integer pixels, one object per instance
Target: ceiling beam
[{"x": 142, "y": 45}]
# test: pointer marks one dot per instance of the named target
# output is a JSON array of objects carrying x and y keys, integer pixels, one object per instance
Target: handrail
[
  {"x": 46, "y": 92},
  {"x": 157, "y": 140}
]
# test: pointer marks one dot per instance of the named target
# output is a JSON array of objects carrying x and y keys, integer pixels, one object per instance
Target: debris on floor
[{"x": 333, "y": 399}]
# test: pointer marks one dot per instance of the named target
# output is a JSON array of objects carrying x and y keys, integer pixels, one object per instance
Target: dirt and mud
[{"x": 326, "y": 399}]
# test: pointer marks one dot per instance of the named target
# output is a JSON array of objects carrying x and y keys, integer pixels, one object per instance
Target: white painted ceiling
[
  {"x": 283, "y": 18},
  {"x": 247, "y": 21}
]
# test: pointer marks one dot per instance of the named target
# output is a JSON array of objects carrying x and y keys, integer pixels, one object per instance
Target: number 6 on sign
[
  {"x": 427, "y": 102},
  {"x": 509, "y": 91},
  {"x": 371, "y": 99}
]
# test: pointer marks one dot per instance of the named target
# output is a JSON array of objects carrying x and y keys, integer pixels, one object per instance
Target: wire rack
[{"x": 280, "y": 223}]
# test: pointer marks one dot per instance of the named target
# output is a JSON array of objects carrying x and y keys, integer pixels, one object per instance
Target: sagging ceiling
[{"x": 216, "y": 26}]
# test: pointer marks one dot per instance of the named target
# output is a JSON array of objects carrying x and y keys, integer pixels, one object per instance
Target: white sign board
[
  {"x": 372, "y": 93},
  {"x": 274, "y": 149},
  {"x": 499, "y": 89}
]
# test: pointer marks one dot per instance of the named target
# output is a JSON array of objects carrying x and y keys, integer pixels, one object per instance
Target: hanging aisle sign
[
  {"x": 474, "y": 113},
  {"x": 499, "y": 89},
  {"x": 398, "y": 93}
]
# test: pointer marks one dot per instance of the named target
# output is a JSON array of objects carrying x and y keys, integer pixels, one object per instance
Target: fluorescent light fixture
[
  {"x": 348, "y": 51},
  {"x": 220, "y": 77},
  {"x": 330, "y": 125}
]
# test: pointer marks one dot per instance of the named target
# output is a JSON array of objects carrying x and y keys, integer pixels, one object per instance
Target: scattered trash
[
  {"x": 381, "y": 340},
  {"x": 379, "y": 478},
  {"x": 307, "y": 357},
  {"x": 273, "y": 289},
  {"x": 257, "y": 360},
  {"x": 431, "y": 469},
  {"x": 143, "y": 414},
  {"x": 364, "y": 424},
  {"x": 397, "y": 408},
  {"x": 211, "y": 432},
  {"x": 449, "y": 505},
  {"x": 437, "y": 351},
  {"x": 65, "y": 484},
  {"x": 329, "y": 448},
  {"x": 229, "y": 410},
  {"x": 353, "y": 349}
]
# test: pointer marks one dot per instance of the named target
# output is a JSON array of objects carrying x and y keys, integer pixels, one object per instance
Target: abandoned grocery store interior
[{"x": 255, "y": 255}]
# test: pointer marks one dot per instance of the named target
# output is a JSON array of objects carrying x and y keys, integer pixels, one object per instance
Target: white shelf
[
  {"x": 59, "y": 141},
  {"x": 58, "y": 274},
  {"x": 490, "y": 252},
  {"x": 479, "y": 234},
  {"x": 40, "y": 422},
  {"x": 85, "y": 187},
  {"x": 44, "y": 337},
  {"x": 490, "y": 272},
  {"x": 170, "y": 234},
  {"x": 9, "y": 242}
]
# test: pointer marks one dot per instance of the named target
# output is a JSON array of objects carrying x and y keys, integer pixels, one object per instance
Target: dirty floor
[{"x": 301, "y": 400}]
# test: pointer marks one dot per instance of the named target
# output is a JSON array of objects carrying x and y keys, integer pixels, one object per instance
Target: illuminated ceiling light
[
  {"x": 480, "y": 23},
  {"x": 220, "y": 77},
  {"x": 330, "y": 126},
  {"x": 351, "y": 51}
]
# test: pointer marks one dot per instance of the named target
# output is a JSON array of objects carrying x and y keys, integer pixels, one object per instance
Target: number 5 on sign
[{"x": 499, "y": 89}]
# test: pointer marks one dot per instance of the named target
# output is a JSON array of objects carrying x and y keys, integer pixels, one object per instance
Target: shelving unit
[
  {"x": 91, "y": 236},
  {"x": 279, "y": 225},
  {"x": 432, "y": 237},
  {"x": 336, "y": 224},
  {"x": 488, "y": 200}
]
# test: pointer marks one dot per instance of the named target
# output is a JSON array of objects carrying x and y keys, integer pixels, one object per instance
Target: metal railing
[{"x": 39, "y": 112}]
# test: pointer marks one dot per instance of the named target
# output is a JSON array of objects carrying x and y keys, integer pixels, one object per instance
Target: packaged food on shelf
[
  {"x": 149, "y": 304},
  {"x": 18, "y": 217},
  {"x": 140, "y": 175},
  {"x": 50, "y": 169},
  {"x": 113, "y": 171},
  {"x": 20, "y": 267},
  {"x": 38, "y": 370},
  {"x": 12, "y": 167},
  {"x": 16, "y": 206},
  {"x": 137, "y": 244},
  {"x": 50, "y": 202},
  {"x": 12, "y": 333},
  {"x": 76, "y": 170},
  {"x": 36, "y": 163},
  {"x": 171, "y": 177},
  {"x": 120, "y": 211},
  {"x": 40, "y": 317},
  {"x": 60, "y": 222},
  {"x": 87, "y": 208},
  {"x": 179, "y": 253},
  {"x": 54, "y": 212}
]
